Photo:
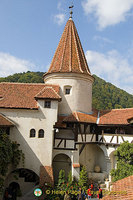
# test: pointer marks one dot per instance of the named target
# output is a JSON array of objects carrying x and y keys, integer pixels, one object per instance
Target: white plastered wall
[
  {"x": 80, "y": 97},
  {"x": 38, "y": 151}
]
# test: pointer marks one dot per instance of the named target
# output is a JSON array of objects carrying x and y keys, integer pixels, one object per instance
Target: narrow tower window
[
  {"x": 67, "y": 90},
  {"x": 32, "y": 132},
  {"x": 41, "y": 133}
]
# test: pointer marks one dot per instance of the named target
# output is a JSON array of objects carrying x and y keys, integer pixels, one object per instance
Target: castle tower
[{"x": 70, "y": 71}]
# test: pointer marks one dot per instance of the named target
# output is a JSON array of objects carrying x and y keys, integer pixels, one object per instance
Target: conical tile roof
[{"x": 69, "y": 55}]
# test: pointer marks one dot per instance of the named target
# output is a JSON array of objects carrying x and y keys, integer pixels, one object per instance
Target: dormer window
[
  {"x": 47, "y": 104},
  {"x": 67, "y": 90}
]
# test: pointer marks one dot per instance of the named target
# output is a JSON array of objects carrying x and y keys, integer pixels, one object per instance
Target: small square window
[
  {"x": 47, "y": 104},
  {"x": 67, "y": 91}
]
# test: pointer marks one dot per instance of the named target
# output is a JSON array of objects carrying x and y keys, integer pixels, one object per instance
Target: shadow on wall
[
  {"x": 63, "y": 105},
  {"x": 21, "y": 181},
  {"x": 32, "y": 163},
  {"x": 92, "y": 156}
]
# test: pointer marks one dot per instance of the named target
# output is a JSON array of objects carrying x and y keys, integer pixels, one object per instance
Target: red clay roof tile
[
  {"x": 4, "y": 121},
  {"x": 69, "y": 55},
  {"x": 121, "y": 186},
  {"x": 22, "y": 95},
  {"x": 82, "y": 117},
  {"x": 115, "y": 116},
  {"x": 48, "y": 92}
]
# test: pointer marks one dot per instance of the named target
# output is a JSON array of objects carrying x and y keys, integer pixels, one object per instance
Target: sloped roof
[
  {"x": 120, "y": 187},
  {"x": 69, "y": 55},
  {"x": 115, "y": 116},
  {"x": 48, "y": 92},
  {"x": 82, "y": 117},
  {"x": 22, "y": 95},
  {"x": 104, "y": 117},
  {"x": 77, "y": 117},
  {"x": 4, "y": 121}
]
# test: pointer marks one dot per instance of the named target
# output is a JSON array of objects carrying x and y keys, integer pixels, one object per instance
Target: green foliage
[
  {"x": 17, "y": 154},
  {"x": 61, "y": 178},
  {"x": 83, "y": 179},
  {"x": 124, "y": 157},
  {"x": 70, "y": 177},
  {"x": 25, "y": 77},
  {"x": 107, "y": 96},
  {"x": 104, "y": 94},
  {"x": 9, "y": 154}
]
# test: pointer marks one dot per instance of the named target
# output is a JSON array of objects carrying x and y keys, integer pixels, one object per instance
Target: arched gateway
[{"x": 61, "y": 161}]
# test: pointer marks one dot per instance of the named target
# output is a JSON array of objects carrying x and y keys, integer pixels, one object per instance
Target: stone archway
[
  {"x": 113, "y": 160},
  {"x": 93, "y": 157},
  {"x": 24, "y": 179},
  {"x": 61, "y": 161}
]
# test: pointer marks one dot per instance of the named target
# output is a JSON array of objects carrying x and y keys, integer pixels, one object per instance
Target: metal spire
[{"x": 71, "y": 12}]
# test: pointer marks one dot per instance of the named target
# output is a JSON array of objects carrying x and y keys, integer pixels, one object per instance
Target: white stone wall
[
  {"x": 38, "y": 151},
  {"x": 80, "y": 97},
  {"x": 91, "y": 156}
]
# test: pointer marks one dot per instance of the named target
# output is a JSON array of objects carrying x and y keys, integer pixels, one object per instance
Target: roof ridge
[
  {"x": 70, "y": 61},
  {"x": 76, "y": 115},
  {"x": 117, "y": 109},
  {"x": 64, "y": 48},
  {"x": 7, "y": 118},
  {"x": 56, "y": 92},
  {"x": 17, "y": 83},
  {"x": 46, "y": 87},
  {"x": 77, "y": 50},
  {"x": 81, "y": 49}
]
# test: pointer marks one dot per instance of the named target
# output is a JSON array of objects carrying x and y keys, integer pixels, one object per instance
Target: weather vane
[{"x": 71, "y": 12}]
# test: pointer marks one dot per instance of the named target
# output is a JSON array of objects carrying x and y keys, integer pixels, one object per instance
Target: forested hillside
[
  {"x": 105, "y": 95},
  {"x": 108, "y": 96}
]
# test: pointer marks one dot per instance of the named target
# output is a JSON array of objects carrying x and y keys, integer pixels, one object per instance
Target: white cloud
[
  {"x": 59, "y": 19},
  {"x": 112, "y": 67},
  {"x": 103, "y": 39},
  {"x": 10, "y": 64},
  {"x": 108, "y": 12}
]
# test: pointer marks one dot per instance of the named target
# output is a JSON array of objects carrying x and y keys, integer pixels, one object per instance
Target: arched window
[
  {"x": 32, "y": 132},
  {"x": 41, "y": 133}
]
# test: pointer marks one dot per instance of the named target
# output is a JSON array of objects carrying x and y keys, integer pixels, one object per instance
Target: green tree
[
  {"x": 124, "y": 157},
  {"x": 61, "y": 178},
  {"x": 9, "y": 155},
  {"x": 83, "y": 178},
  {"x": 70, "y": 177}
]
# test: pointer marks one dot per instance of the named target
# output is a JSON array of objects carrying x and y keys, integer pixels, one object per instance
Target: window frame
[
  {"x": 34, "y": 134},
  {"x": 67, "y": 90},
  {"x": 47, "y": 104},
  {"x": 39, "y": 132}
]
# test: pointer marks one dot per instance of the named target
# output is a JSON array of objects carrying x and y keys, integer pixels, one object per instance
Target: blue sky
[{"x": 31, "y": 29}]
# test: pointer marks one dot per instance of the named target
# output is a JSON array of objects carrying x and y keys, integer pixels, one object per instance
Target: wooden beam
[
  {"x": 71, "y": 149},
  {"x": 117, "y": 139},
  {"x": 92, "y": 137},
  {"x": 64, "y": 138},
  {"x": 111, "y": 139},
  {"x": 82, "y": 148},
  {"x": 103, "y": 138},
  {"x": 65, "y": 143},
  {"x": 99, "y": 143},
  {"x": 85, "y": 127},
  {"x": 59, "y": 142},
  {"x": 124, "y": 135},
  {"x": 122, "y": 138}
]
